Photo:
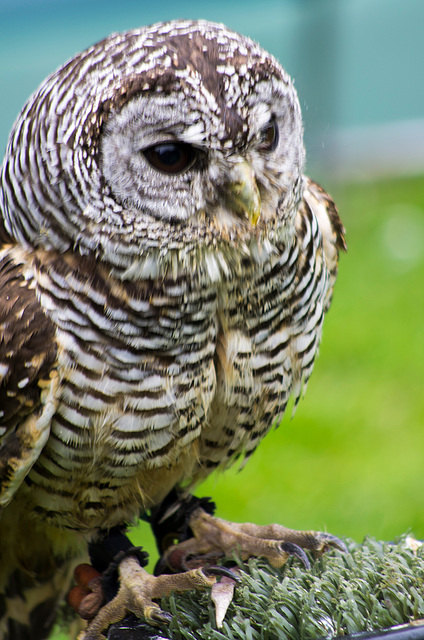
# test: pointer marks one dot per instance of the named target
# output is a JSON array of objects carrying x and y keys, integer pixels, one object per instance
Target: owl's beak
[{"x": 242, "y": 196}]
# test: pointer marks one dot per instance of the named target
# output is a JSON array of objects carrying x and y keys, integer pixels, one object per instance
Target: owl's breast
[
  {"x": 137, "y": 378},
  {"x": 162, "y": 381},
  {"x": 268, "y": 336}
]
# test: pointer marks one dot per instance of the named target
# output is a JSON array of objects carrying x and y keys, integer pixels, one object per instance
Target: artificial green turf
[
  {"x": 373, "y": 586},
  {"x": 351, "y": 459}
]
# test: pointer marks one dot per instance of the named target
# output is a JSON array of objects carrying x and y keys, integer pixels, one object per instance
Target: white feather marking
[{"x": 4, "y": 369}]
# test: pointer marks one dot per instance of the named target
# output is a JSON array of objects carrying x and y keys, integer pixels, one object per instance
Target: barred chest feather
[{"x": 163, "y": 381}]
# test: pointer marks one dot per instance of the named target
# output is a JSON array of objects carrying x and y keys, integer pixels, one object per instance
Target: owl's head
[{"x": 164, "y": 141}]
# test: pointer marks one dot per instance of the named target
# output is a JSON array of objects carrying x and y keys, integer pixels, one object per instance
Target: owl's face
[{"x": 183, "y": 132}]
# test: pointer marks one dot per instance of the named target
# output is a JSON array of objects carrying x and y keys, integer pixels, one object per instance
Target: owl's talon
[
  {"x": 293, "y": 549},
  {"x": 156, "y": 615},
  {"x": 327, "y": 541},
  {"x": 221, "y": 571}
]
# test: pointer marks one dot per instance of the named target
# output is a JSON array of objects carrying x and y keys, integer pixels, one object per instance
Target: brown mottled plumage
[{"x": 164, "y": 275}]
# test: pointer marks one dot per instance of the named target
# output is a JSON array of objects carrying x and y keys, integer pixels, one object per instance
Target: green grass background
[{"x": 351, "y": 459}]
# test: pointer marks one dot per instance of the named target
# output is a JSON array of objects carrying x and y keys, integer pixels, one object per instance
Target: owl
[{"x": 165, "y": 268}]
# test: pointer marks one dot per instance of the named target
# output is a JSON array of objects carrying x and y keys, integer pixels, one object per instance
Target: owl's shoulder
[
  {"x": 318, "y": 212},
  {"x": 320, "y": 228},
  {"x": 27, "y": 344},
  {"x": 319, "y": 203}
]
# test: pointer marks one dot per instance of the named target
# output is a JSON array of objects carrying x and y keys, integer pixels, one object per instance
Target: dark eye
[
  {"x": 170, "y": 157},
  {"x": 269, "y": 137}
]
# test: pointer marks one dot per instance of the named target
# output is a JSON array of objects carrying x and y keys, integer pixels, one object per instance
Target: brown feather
[{"x": 27, "y": 342}]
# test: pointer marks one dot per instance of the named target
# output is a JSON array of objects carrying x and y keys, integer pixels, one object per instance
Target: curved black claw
[
  {"x": 157, "y": 615},
  {"x": 327, "y": 541},
  {"x": 220, "y": 571},
  {"x": 294, "y": 550}
]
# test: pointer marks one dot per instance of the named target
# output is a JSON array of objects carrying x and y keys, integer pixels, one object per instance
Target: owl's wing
[
  {"x": 321, "y": 205},
  {"x": 28, "y": 381}
]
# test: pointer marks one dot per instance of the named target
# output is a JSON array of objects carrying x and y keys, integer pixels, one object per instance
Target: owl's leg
[
  {"x": 137, "y": 591},
  {"x": 108, "y": 590},
  {"x": 120, "y": 584},
  {"x": 204, "y": 538},
  {"x": 214, "y": 537}
]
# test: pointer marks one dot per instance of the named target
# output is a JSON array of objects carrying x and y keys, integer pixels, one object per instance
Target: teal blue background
[{"x": 356, "y": 63}]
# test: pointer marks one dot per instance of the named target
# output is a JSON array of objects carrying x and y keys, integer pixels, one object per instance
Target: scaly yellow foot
[
  {"x": 214, "y": 537},
  {"x": 137, "y": 591}
]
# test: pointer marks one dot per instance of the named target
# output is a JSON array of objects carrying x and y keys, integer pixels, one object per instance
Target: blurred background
[{"x": 351, "y": 460}]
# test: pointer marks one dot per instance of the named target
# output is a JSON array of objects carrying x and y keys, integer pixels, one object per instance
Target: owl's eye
[
  {"x": 170, "y": 157},
  {"x": 269, "y": 137}
]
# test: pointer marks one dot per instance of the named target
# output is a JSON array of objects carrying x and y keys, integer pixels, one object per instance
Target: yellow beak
[{"x": 243, "y": 197}]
